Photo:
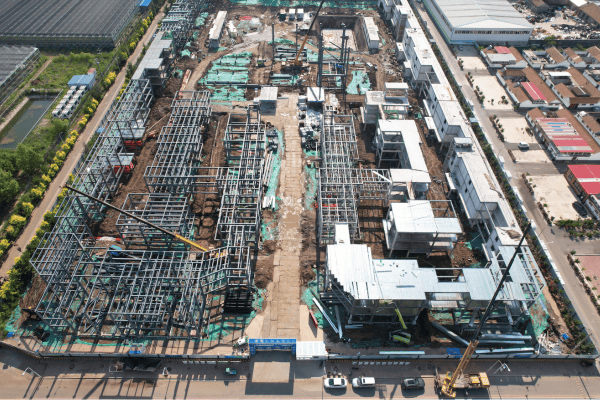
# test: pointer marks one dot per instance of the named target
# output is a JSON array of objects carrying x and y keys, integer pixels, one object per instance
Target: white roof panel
[{"x": 488, "y": 14}]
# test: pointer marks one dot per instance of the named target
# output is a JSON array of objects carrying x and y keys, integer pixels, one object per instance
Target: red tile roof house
[
  {"x": 584, "y": 179},
  {"x": 527, "y": 89}
]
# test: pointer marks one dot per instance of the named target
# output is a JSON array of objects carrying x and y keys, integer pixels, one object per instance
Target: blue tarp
[{"x": 82, "y": 80}]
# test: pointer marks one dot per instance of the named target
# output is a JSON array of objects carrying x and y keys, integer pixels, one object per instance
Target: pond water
[{"x": 27, "y": 121}]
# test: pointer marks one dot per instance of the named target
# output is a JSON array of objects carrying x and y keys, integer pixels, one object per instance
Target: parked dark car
[
  {"x": 413, "y": 384},
  {"x": 580, "y": 209}
]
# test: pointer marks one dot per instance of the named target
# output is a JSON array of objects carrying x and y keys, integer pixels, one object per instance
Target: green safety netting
[
  {"x": 201, "y": 19},
  {"x": 276, "y": 167},
  {"x": 539, "y": 316},
  {"x": 311, "y": 192},
  {"x": 360, "y": 83},
  {"x": 307, "y": 297},
  {"x": 231, "y": 69},
  {"x": 185, "y": 53},
  {"x": 362, "y": 5},
  {"x": 268, "y": 232},
  {"x": 233, "y": 323},
  {"x": 282, "y": 41}
]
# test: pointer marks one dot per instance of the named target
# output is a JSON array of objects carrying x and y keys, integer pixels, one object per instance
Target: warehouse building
[
  {"x": 482, "y": 22},
  {"x": 67, "y": 24},
  {"x": 15, "y": 63}
]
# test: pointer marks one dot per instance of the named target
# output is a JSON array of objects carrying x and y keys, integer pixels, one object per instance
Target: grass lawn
[{"x": 63, "y": 67}]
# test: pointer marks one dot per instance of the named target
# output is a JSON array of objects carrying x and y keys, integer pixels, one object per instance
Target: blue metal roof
[
  {"x": 144, "y": 3},
  {"x": 80, "y": 80}
]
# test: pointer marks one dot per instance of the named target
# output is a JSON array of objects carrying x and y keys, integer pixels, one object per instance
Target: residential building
[
  {"x": 502, "y": 56},
  {"x": 573, "y": 89},
  {"x": 538, "y": 6},
  {"x": 588, "y": 59},
  {"x": 527, "y": 90},
  {"x": 590, "y": 13}
]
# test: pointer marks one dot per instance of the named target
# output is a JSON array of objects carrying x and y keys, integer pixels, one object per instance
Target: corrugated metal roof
[
  {"x": 416, "y": 216},
  {"x": 485, "y": 14},
  {"x": 533, "y": 91}
]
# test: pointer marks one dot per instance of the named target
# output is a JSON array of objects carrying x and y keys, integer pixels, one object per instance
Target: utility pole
[
  {"x": 273, "y": 40},
  {"x": 490, "y": 306}
]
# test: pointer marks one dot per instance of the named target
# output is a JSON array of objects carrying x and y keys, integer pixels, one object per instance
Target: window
[{"x": 470, "y": 183}]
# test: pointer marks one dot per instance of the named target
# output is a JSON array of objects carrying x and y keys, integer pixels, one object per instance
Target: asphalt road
[
  {"x": 278, "y": 375},
  {"x": 61, "y": 178},
  {"x": 558, "y": 241}
]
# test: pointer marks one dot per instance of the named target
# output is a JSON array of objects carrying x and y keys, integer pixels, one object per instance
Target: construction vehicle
[
  {"x": 480, "y": 380},
  {"x": 459, "y": 380},
  {"x": 143, "y": 221},
  {"x": 297, "y": 62}
]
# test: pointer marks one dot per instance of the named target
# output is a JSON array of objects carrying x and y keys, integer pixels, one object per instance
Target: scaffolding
[{"x": 341, "y": 185}]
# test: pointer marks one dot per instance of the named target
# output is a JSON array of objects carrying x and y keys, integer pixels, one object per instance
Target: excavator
[
  {"x": 297, "y": 62},
  {"x": 142, "y": 220},
  {"x": 459, "y": 380}
]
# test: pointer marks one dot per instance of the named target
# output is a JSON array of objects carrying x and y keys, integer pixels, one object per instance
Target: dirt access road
[{"x": 62, "y": 176}]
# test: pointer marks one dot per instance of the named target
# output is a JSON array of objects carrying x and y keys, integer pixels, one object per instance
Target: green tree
[
  {"x": 550, "y": 41},
  {"x": 28, "y": 158},
  {"x": 7, "y": 162},
  {"x": 9, "y": 187}
]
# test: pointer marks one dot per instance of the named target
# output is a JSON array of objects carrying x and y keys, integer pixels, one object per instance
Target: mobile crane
[
  {"x": 297, "y": 62},
  {"x": 480, "y": 380}
]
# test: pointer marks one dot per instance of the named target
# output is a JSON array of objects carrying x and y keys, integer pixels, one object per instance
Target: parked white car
[
  {"x": 335, "y": 383},
  {"x": 363, "y": 382}
]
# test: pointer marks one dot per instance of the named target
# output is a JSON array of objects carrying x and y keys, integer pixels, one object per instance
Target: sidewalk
[{"x": 61, "y": 178}]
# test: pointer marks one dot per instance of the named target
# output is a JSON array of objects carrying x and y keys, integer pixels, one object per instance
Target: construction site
[{"x": 301, "y": 175}]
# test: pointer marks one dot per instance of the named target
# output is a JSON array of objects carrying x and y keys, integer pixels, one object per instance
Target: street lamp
[{"x": 29, "y": 371}]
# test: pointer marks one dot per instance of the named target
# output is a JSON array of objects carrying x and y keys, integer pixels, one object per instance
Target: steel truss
[{"x": 341, "y": 185}]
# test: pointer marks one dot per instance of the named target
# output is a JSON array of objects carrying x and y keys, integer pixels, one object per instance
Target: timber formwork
[{"x": 341, "y": 184}]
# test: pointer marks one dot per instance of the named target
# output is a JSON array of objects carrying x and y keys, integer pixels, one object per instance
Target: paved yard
[
  {"x": 554, "y": 191},
  {"x": 470, "y": 57},
  {"x": 591, "y": 265},
  {"x": 491, "y": 89},
  {"x": 514, "y": 130},
  {"x": 531, "y": 156}
]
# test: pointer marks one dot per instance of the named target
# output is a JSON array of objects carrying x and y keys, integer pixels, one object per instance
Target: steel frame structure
[
  {"x": 179, "y": 145},
  {"x": 335, "y": 66},
  {"x": 341, "y": 185},
  {"x": 169, "y": 211}
]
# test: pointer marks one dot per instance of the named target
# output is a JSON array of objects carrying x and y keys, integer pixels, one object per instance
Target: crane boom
[
  {"x": 142, "y": 220},
  {"x": 450, "y": 380},
  {"x": 297, "y": 61}
]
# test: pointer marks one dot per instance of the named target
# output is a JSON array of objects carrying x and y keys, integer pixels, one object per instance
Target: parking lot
[{"x": 555, "y": 193}]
